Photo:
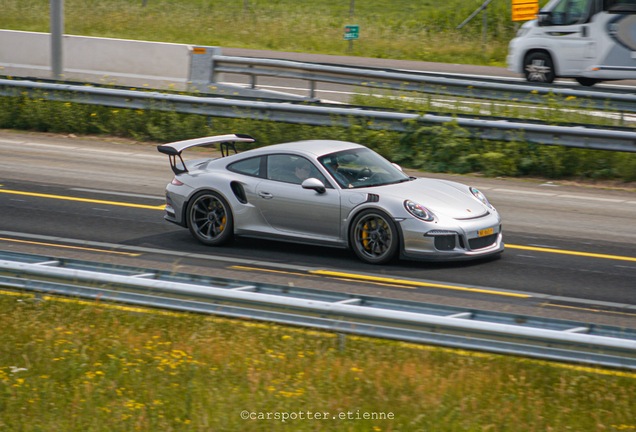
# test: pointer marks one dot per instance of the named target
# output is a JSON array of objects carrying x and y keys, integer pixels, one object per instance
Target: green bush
[{"x": 440, "y": 148}]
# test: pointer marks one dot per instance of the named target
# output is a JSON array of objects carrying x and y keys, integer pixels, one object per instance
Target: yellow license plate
[{"x": 485, "y": 232}]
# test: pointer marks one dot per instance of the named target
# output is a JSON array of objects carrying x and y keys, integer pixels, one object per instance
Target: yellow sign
[{"x": 524, "y": 10}]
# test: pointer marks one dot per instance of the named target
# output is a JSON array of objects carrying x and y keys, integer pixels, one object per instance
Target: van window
[
  {"x": 569, "y": 12},
  {"x": 619, "y": 6}
]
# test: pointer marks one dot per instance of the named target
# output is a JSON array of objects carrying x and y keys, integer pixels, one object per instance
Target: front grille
[
  {"x": 482, "y": 242},
  {"x": 445, "y": 242}
]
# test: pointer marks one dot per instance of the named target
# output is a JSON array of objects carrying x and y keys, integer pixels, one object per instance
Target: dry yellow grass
[{"x": 78, "y": 366}]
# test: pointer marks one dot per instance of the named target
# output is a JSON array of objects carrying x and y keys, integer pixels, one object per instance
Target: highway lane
[
  {"x": 64, "y": 195},
  {"x": 329, "y": 92}
]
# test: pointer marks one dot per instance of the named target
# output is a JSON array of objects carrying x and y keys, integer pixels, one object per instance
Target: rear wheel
[
  {"x": 210, "y": 218},
  {"x": 374, "y": 237},
  {"x": 538, "y": 67}
]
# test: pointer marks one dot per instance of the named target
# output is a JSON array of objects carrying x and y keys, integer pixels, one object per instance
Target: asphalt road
[
  {"x": 570, "y": 249},
  {"x": 341, "y": 93}
]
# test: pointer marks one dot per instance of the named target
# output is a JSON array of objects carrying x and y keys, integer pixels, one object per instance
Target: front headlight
[
  {"x": 419, "y": 211},
  {"x": 480, "y": 196}
]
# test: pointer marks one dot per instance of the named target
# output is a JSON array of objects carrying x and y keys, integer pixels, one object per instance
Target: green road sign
[{"x": 351, "y": 32}]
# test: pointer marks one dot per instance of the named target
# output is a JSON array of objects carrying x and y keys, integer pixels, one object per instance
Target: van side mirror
[{"x": 544, "y": 18}]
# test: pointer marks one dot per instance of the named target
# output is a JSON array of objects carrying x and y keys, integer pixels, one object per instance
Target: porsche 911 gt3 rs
[{"x": 326, "y": 192}]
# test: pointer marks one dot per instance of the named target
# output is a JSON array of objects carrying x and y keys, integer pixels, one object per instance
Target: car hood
[{"x": 440, "y": 196}]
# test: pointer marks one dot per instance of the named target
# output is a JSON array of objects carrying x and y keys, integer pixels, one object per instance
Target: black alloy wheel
[
  {"x": 210, "y": 218},
  {"x": 374, "y": 237}
]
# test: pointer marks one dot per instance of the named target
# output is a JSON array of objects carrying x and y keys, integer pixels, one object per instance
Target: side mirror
[
  {"x": 544, "y": 18},
  {"x": 314, "y": 184},
  {"x": 397, "y": 166}
]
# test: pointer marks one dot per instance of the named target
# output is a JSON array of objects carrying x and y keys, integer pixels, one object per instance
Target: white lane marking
[
  {"x": 614, "y": 200},
  {"x": 564, "y": 196},
  {"x": 524, "y": 192}
]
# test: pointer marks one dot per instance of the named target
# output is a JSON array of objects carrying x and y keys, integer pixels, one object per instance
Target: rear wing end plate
[{"x": 174, "y": 149}]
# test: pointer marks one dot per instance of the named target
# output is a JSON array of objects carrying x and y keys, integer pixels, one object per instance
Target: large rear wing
[{"x": 225, "y": 142}]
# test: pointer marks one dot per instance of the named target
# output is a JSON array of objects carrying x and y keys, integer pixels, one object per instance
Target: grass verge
[
  {"x": 397, "y": 29},
  {"x": 75, "y": 366}
]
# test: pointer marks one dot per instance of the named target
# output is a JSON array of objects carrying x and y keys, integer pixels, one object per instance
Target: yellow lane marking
[
  {"x": 238, "y": 267},
  {"x": 569, "y": 252},
  {"x": 57, "y": 245},
  {"x": 587, "y": 309},
  {"x": 403, "y": 283},
  {"x": 85, "y": 200},
  {"x": 259, "y": 269},
  {"x": 417, "y": 284}
]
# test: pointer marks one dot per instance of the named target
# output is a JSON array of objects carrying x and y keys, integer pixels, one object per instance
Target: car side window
[
  {"x": 250, "y": 167},
  {"x": 292, "y": 169}
]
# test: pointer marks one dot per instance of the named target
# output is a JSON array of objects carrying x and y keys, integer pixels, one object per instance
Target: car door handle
[{"x": 265, "y": 195}]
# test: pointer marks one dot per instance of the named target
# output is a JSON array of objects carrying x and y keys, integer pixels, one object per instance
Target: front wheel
[
  {"x": 210, "y": 218},
  {"x": 538, "y": 67},
  {"x": 374, "y": 237}
]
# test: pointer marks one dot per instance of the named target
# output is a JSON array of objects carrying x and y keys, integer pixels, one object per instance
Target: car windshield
[{"x": 361, "y": 167}]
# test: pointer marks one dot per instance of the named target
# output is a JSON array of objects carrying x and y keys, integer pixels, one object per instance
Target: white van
[{"x": 588, "y": 40}]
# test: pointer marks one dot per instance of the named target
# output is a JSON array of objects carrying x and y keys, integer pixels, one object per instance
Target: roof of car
[{"x": 315, "y": 147}]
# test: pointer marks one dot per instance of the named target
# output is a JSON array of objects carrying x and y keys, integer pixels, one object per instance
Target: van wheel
[
  {"x": 587, "y": 82},
  {"x": 538, "y": 67}
]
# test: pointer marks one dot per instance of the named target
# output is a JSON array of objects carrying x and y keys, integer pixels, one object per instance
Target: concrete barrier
[{"x": 106, "y": 61}]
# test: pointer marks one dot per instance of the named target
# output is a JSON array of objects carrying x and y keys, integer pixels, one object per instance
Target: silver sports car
[{"x": 326, "y": 192}]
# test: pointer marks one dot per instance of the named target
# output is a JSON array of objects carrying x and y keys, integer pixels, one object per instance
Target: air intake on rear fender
[{"x": 373, "y": 198}]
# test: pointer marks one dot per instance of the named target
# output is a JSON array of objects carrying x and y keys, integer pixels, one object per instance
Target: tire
[
  {"x": 538, "y": 67},
  {"x": 373, "y": 237},
  {"x": 587, "y": 82},
  {"x": 210, "y": 219}
]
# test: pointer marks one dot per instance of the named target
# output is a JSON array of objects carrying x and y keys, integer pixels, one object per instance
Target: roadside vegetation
[
  {"x": 394, "y": 29},
  {"x": 398, "y": 29},
  {"x": 73, "y": 366},
  {"x": 443, "y": 149}
]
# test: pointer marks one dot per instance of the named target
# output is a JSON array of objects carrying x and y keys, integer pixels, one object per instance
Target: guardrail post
[
  {"x": 202, "y": 68},
  {"x": 252, "y": 77}
]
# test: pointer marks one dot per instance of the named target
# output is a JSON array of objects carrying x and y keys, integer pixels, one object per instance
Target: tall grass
[
  {"x": 396, "y": 29},
  {"x": 69, "y": 366}
]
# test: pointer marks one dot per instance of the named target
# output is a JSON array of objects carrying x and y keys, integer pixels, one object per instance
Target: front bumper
[{"x": 469, "y": 239}]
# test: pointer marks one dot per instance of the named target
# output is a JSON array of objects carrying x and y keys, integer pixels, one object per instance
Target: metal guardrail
[
  {"x": 421, "y": 82},
  {"x": 543, "y": 338},
  {"x": 320, "y": 115}
]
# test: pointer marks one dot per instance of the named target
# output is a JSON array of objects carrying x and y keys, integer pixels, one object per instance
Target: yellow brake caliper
[
  {"x": 223, "y": 219},
  {"x": 365, "y": 236}
]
